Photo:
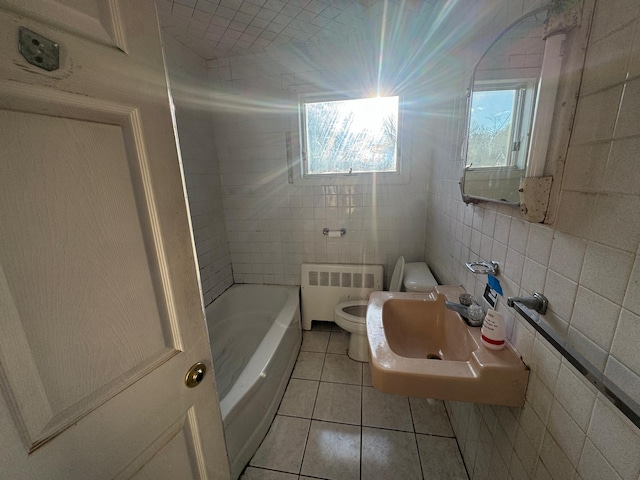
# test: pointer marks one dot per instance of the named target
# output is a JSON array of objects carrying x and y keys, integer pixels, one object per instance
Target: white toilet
[{"x": 352, "y": 316}]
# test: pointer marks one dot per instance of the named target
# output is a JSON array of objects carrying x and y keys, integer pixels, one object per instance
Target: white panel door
[{"x": 100, "y": 309}]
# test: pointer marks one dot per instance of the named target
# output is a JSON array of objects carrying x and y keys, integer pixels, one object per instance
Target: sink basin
[
  {"x": 415, "y": 328},
  {"x": 420, "y": 348}
]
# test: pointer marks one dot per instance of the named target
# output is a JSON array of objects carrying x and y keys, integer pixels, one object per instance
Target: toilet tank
[{"x": 418, "y": 278}]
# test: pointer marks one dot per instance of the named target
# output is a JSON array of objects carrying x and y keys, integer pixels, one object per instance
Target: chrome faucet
[
  {"x": 471, "y": 314},
  {"x": 537, "y": 302}
]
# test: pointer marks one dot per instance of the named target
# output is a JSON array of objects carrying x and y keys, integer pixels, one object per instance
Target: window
[
  {"x": 500, "y": 124},
  {"x": 347, "y": 136}
]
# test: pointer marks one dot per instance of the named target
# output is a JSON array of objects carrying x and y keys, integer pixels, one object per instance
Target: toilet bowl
[{"x": 352, "y": 316}]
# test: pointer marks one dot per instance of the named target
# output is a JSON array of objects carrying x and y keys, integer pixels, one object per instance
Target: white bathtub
[{"x": 255, "y": 335}]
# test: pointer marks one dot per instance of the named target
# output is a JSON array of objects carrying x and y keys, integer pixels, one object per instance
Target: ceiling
[{"x": 220, "y": 28}]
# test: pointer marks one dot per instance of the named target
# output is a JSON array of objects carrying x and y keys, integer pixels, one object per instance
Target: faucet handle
[
  {"x": 475, "y": 315},
  {"x": 466, "y": 299}
]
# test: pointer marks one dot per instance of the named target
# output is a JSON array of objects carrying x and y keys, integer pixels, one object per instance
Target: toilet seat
[
  {"x": 352, "y": 316},
  {"x": 398, "y": 274},
  {"x": 354, "y": 311}
]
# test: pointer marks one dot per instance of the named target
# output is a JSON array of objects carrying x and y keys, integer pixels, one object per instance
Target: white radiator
[{"x": 324, "y": 285}]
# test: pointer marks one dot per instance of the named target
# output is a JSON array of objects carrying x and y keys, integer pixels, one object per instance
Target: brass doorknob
[{"x": 195, "y": 375}]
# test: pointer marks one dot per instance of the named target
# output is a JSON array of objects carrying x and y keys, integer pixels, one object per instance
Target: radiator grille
[
  {"x": 326, "y": 285},
  {"x": 341, "y": 279}
]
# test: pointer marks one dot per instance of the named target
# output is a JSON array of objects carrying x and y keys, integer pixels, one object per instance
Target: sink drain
[{"x": 433, "y": 356}]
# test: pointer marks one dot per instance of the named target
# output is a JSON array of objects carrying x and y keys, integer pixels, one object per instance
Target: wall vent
[{"x": 324, "y": 285}]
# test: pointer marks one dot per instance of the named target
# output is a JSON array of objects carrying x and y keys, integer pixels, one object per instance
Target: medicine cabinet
[{"x": 520, "y": 109}]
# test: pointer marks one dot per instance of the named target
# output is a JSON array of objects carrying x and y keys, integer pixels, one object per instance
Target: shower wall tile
[
  {"x": 625, "y": 346},
  {"x": 621, "y": 375},
  {"x": 611, "y": 434},
  {"x": 620, "y": 174},
  {"x": 607, "y": 60},
  {"x": 187, "y": 73},
  {"x": 566, "y": 291},
  {"x": 593, "y": 466},
  {"x": 575, "y": 394},
  {"x": 632, "y": 296},
  {"x": 612, "y": 221},
  {"x": 595, "y": 316},
  {"x": 539, "y": 243},
  {"x": 606, "y": 271},
  {"x": 586, "y": 263},
  {"x": 567, "y": 255}
]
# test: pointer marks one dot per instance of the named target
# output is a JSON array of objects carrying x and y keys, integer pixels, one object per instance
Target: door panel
[
  {"x": 99, "y": 294},
  {"x": 174, "y": 454}
]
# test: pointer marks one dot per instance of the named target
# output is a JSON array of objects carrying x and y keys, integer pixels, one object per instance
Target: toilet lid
[
  {"x": 396, "y": 278},
  {"x": 354, "y": 311}
]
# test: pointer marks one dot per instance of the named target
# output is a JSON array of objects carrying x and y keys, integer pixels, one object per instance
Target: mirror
[{"x": 501, "y": 112}]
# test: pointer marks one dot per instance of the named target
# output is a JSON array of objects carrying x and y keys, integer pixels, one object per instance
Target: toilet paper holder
[{"x": 334, "y": 233}]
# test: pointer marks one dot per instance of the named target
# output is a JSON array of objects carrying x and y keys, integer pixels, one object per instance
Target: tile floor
[{"x": 332, "y": 424}]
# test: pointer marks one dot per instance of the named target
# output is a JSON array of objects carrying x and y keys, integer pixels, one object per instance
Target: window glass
[
  {"x": 490, "y": 128},
  {"x": 500, "y": 124},
  {"x": 350, "y": 136}
]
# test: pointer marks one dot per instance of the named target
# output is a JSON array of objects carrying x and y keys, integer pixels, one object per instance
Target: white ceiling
[{"x": 219, "y": 28}]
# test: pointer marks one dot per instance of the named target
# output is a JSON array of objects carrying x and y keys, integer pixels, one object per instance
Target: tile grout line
[
  {"x": 415, "y": 438},
  {"x": 361, "y": 420},
  {"x": 464, "y": 464},
  {"x": 315, "y": 400}
]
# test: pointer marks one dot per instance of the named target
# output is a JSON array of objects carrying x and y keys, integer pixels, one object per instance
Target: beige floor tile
[
  {"x": 252, "y": 473},
  {"x": 338, "y": 402},
  {"x": 385, "y": 411},
  {"x": 366, "y": 375},
  {"x": 339, "y": 342},
  {"x": 283, "y": 447},
  {"x": 308, "y": 366},
  {"x": 388, "y": 454},
  {"x": 430, "y": 416},
  {"x": 315, "y": 341},
  {"x": 341, "y": 369},
  {"x": 330, "y": 445},
  {"x": 333, "y": 451},
  {"x": 440, "y": 458},
  {"x": 299, "y": 398}
]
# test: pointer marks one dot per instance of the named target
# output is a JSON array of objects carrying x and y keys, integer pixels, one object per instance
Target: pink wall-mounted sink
[{"x": 420, "y": 348}]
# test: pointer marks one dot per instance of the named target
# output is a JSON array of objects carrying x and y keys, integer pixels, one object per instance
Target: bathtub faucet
[{"x": 537, "y": 302}]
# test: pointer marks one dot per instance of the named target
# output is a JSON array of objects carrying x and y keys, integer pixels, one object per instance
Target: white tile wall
[
  {"x": 273, "y": 226},
  {"x": 586, "y": 263},
  {"x": 188, "y": 78}
]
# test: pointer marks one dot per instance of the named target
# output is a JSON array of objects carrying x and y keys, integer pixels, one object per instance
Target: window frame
[{"x": 400, "y": 175}]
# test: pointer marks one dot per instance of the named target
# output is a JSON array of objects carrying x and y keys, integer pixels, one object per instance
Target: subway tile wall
[
  {"x": 587, "y": 263},
  {"x": 272, "y": 225},
  {"x": 191, "y": 96}
]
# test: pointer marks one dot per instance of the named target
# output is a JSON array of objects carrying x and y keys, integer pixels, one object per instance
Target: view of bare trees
[
  {"x": 341, "y": 138},
  {"x": 489, "y": 140}
]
